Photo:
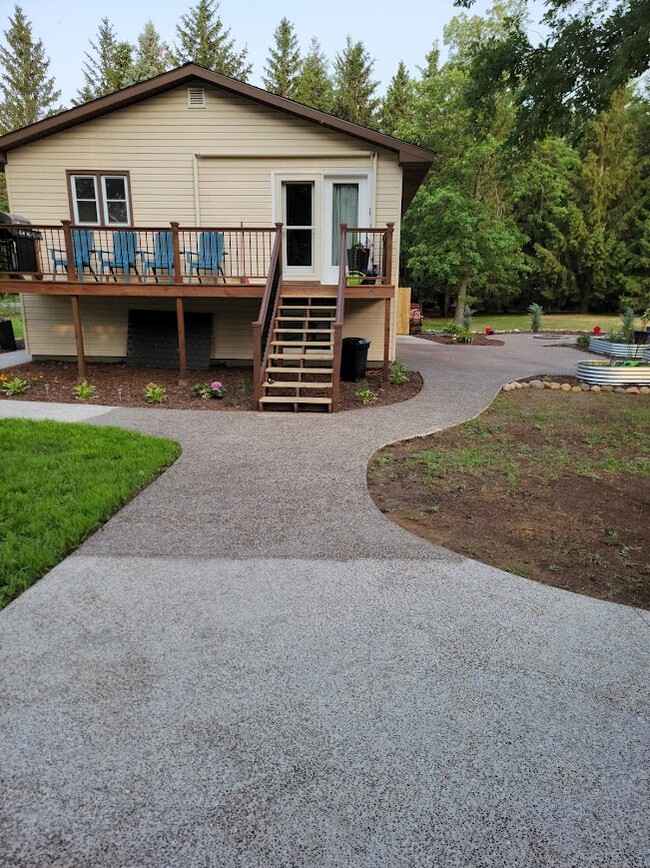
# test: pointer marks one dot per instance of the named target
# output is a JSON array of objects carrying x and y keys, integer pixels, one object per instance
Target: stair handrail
[
  {"x": 262, "y": 326},
  {"x": 338, "y": 321}
]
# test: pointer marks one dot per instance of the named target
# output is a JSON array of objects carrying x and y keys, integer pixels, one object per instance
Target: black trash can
[
  {"x": 7, "y": 339},
  {"x": 354, "y": 358}
]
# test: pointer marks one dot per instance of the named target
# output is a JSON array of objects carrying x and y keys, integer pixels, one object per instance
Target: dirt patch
[
  {"x": 549, "y": 486},
  {"x": 478, "y": 341},
  {"x": 119, "y": 385}
]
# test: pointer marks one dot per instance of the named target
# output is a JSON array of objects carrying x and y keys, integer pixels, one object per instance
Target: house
[{"x": 194, "y": 218}]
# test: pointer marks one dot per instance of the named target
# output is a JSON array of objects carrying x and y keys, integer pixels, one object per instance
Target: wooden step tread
[
  {"x": 278, "y": 399},
  {"x": 313, "y": 357},
  {"x": 291, "y": 370},
  {"x": 292, "y": 384},
  {"x": 300, "y": 344},
  {"x": 306, "y": 318},
  {"x": 295, "y": 307},
  {"x": 289, "y": 331}
]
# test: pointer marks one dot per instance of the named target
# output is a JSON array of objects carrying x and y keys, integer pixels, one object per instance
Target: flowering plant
[{"x": 205, "y": 391}]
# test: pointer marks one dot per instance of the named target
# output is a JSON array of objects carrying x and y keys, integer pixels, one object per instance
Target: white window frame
[
  {"x": 127, "y": 198},
  {"x": 300, "y": 269},
  {"x": 99, "y": 182},
  {"x": 76, "y": 200}
]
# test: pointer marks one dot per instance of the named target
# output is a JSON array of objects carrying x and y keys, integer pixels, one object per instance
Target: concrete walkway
[{"x": 251, "y": 666}]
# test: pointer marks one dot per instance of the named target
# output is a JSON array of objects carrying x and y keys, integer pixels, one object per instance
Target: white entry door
[{"x": 345, "y": 200}]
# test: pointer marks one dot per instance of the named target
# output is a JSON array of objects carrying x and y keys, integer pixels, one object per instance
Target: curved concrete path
[{"x": 251, "y": 666}]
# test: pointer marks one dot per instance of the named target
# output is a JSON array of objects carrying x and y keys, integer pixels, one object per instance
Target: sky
[{"x": 392, "y": 30}]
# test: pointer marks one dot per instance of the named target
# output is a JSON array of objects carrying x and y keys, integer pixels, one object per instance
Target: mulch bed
[
  {"x": 479, "y": 340},
  {"x": 549, "y": 486},
  {"x": 122, "y": 386}
]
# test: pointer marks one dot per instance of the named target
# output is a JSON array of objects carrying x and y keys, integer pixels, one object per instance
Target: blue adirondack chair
[
  {"x": 162, "y": 259},
  {"x": 82, "y": 251},
  {"x": 209, "y": 257},
  {"x": 124, "y": 255}
]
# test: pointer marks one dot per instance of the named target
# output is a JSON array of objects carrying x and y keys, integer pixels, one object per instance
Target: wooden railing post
[
  {"x": 388, "y": 265},
  {"x": 267, "y": 313},
  {"x": 386, "y": 338},
  {"x": 69, "y": 250},
  {"x": 337, "y": 345},
  {"x": 257, "y": 362},
  {"x": 178, "y": 271}
]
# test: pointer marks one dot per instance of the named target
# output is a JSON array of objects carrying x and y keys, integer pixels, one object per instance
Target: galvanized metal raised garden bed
[
  {"x": 616, "y": 374},
  {"x": 616, "y": 350}
]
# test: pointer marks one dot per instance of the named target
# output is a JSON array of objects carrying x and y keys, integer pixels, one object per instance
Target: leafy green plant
[
  {"x": 583, "y": 340},
  {"x": 465, "y": 336},
  {"x": 155, "y": 394},
  {"x": 397, "y": 373},
  {"x": 536, "y": 312},
  {"x": 468, "y": 313},
  {"x": 84, "y": 391},
  {"x": 205, "y": 391},
  {"x": 366, "y": 394},
  {"x": 452, "y": 330},
  {"x": 627, "y": 318},
  {"x": 13, "y": 387}
]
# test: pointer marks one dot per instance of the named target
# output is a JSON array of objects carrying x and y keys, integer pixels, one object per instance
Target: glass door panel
[{"x": 298, "y": 208}]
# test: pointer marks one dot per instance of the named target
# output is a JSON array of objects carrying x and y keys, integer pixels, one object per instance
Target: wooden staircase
[{"x": 300, "y": 364}]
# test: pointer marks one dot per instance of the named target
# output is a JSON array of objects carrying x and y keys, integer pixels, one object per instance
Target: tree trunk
[
  {"x": 460, "y": 301},
  {"x": 445, "y": 304}
]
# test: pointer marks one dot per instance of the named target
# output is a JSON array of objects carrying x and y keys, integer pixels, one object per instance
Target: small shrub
[
  {"x": 205, "y": 391},
  {"x": 13, "y": 387},
  {"x": 627, "y": 318},
  {"x": 468, "y": 313},
  {"x": 397, "y": 374},
  {"x": 465, "y": 336},
  {"x": 452, "y": 330},
  {"x": 155, "y": 394},
  {"x": 536, "y": 312},
  {"x": 583, "y": 340},
  {"x": 84, "y": 391},
  {"x": 366, "y": 394}
]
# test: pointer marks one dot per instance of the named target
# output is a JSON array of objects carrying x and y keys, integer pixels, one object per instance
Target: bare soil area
[
  {"x": 478, "y": 341},
  {"x": 120, "y": 385},
  {"x": 550, "y": 486}
]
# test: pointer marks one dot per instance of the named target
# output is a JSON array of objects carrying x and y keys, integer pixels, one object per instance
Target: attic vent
[{"x": 196, "y": 97}]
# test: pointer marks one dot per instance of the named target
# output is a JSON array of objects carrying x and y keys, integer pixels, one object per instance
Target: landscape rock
[
  {"x": 585, "y": 387},
  {"x": 633, "y": 390},
  {"x": 576, "y": 389},
  {"x": 536, "y": 384},
  {"x": 507, "y": 387},
  {"x": 517, "y": 385},
  {"x": 555, "y": 386},
  {"x": 566, "y": 387},
  {"x": 645, "y": 390},
  {"x": 620, "y": 390},
  {"x": 525, "y": 385},
  {"x": 607, "y": 389},
  {"x": 595, "y": 388}
]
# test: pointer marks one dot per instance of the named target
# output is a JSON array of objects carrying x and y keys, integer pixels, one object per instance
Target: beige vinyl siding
[
  {"x": 365, "y": 319},
  {"x": 245, "y": 148},
  {"x": 105, "y": 324}
]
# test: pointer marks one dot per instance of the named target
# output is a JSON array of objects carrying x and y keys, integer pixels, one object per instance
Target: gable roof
[{"x": 414, "y": 160}]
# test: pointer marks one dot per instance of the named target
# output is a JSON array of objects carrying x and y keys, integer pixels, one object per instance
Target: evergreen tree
[
  {"x": 204, "y": 40},
  {"x": 108, "y": 67},
  {"x": 313, "y": 85},
  {"x": 27, "y": 93},
  {"x": 397, "y": 106},
  {"x": 283, "y": 64},
  {"x": 152, "y": 55},
  {"x": 354, "y": 89}
]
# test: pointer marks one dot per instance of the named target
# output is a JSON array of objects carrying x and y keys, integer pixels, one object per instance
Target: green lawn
[
  {"x": 58, "y": 483},
  {"x": 17, "y": 320},
  {"x": 575, "y": 322}
]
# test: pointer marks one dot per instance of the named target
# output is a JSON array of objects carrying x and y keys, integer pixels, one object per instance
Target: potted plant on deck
[{"x": 359, "y": 254}]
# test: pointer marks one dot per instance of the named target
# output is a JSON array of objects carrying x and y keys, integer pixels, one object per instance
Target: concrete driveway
[{"x": 251, "y": 666}]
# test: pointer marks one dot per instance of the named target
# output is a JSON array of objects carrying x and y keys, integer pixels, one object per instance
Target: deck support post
[
  {"x": 79, "y": 338},
  {"x": 69, "y": 251},
  {"x": 386, "y": 338},
  {"x": 182, "y": 348}
]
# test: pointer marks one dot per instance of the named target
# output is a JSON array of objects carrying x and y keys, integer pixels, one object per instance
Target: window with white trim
[{"x": 99, "y": 199}]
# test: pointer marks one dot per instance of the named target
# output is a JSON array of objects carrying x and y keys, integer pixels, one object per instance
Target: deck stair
[{"x": 300, "y": 365}]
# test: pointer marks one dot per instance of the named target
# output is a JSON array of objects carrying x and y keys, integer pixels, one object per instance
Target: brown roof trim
[{"x": 407, "y": 153}]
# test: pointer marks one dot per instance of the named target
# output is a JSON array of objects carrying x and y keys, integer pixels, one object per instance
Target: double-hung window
[{"x": 100, "y": 199}]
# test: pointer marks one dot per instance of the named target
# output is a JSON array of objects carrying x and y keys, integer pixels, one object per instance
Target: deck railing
[
  {"x": 368, "y": 255},
  {"x": 158, "y": 254},
  {"x": 262, "y": 327}
]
